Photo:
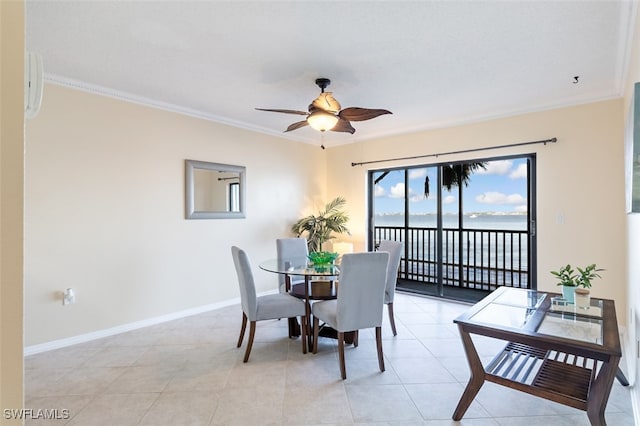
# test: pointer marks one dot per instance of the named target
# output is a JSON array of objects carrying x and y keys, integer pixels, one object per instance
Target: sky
[{"x": 501, "y": 188}]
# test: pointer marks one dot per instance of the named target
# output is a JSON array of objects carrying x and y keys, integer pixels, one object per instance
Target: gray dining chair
[
  {"x": 272, "y": 306},
  {"x": 287, "y": 248},
  {"x": 394, "y": 248},
  {"x": 359, "y": 302}
]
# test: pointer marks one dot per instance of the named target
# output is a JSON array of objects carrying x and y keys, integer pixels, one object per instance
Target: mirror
[{"x": 214, "y": 191}]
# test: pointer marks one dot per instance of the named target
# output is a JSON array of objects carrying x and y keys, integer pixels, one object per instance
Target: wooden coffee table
[{"x": 560, "y": 353}]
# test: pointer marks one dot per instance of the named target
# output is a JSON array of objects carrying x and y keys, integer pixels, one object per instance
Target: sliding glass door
[{"x": 467, "y": 227}]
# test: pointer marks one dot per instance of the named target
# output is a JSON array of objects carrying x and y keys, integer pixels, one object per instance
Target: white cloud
[
  {"x": 516, "y": 199},
  {"x": 521, "y": 209},
  {"x": 379, "y": 191},
  {"x": 397, "y": 190},
  {"x": 500, "y": 167},
  {"x": 500, "y": 198},
  {"x": 520, "y": 172},
  {"x": 449, "y": 199},
  {"x": 417, "y": 173}
]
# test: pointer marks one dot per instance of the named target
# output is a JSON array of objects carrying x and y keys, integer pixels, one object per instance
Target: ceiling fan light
[{"x": 322, "y": 120}]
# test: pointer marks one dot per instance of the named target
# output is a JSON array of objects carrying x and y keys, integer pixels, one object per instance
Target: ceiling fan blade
[
  {"x": 297, "y": 125},
  {"x": 361, "y": 114},
  {"x": 343, "y": 126},
  {"x": 286, "y": 111}
]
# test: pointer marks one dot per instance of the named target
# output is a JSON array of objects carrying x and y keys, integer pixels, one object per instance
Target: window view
[
  {"x": 234, "y": 197},
  {"x": 464, "y": 225}
]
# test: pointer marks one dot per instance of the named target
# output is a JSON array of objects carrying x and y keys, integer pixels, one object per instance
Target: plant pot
[
  {"x": 568, "y": 293},
  {"x": 583, "y": 298}
]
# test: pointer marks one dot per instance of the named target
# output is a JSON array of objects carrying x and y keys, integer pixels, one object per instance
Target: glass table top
[
  {"x": 572, "y": 326},
  {"x": 515, "y": 308},
  {"x": 511, "y": 308},
  {"x": 503, "y": 315},
  {"x": 299, "y": 266},
  {"x": 523, "y": 298},
  {"x": 594, "y": 310}
]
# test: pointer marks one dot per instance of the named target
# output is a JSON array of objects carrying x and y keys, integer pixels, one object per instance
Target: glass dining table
[{"x": 305, "y": 281}]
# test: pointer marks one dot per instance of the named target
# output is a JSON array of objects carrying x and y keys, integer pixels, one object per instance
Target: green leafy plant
[
  {"x": 579, "y": 277},
  {"x": 319, "y": 228}
]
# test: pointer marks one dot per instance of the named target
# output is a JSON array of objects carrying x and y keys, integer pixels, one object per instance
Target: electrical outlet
[{"x": 69, "y": 297}]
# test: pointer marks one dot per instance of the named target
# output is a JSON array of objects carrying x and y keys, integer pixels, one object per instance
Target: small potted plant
[{"x": 571, "y": 279}]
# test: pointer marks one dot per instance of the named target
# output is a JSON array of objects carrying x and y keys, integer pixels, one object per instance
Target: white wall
[{"x": 104, "y": 212}]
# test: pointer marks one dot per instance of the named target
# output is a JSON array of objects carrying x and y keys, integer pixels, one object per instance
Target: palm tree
[
  {"x": 456, "y": 175},
  {"x": 319, "y": 228}
]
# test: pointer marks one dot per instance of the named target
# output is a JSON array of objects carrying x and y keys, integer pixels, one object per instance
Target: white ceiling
[{"x": 432, "y": 63}]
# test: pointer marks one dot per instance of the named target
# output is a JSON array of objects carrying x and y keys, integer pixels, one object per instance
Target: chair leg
[
  {"x": 391, "y": 319},
  {"x": 316, "y": 326},
  {"x": 242, "y": 328},
  {"x": 252, "y": 333},
  {"x": 355, "y": 338},
  {"x": 379, "y": 345},
  {"x": 303, "y": 333},
  {"x": 343, "y": 368}
]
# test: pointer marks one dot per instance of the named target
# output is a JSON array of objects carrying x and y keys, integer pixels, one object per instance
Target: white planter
[{"x": 582, "y": 298}]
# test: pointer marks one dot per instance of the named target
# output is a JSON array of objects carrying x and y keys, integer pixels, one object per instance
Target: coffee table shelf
[{"x": 551, "y": 374}]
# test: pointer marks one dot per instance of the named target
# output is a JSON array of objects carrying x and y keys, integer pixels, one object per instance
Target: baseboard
[{"x": 83, "y": 338}]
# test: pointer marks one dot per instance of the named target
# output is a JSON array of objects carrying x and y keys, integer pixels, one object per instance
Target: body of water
[{"x": 472, "y": 221}]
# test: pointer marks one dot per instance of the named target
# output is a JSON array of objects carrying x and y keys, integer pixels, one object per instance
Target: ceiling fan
[{"x": 325, "y": 113}]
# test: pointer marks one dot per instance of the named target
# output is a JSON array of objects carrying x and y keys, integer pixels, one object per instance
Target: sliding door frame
[{"x": 531, "y": 226}]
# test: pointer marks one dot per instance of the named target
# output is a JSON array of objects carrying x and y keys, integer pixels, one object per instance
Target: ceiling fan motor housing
[{"x": 323, "y": 83}]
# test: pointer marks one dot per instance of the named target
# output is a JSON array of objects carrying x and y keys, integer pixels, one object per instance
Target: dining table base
[
  {"x": 320, "y": 283},
  {"x": 325, "y": 331},
  {"x": 294, "y": 328}
]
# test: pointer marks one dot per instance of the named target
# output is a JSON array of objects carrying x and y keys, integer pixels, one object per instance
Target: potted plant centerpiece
[
  {"x": 319, "y": 229},
  {"x": 571, "y": 279}
]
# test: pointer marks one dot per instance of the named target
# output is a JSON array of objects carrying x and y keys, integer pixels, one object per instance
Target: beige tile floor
[{"x": 189, "y": 372}]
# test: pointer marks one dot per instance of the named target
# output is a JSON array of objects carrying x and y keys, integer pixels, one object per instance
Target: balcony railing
[{"x": 481, "y": 259}]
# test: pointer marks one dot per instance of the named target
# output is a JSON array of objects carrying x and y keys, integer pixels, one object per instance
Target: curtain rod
[{"x": 546, "y": 141}]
